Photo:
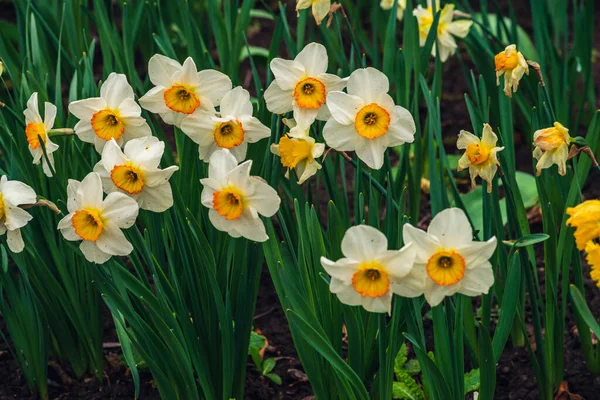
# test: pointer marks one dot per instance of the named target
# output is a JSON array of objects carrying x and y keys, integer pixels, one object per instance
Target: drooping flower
[
  {"x": 36, "y": 128},
  {"x": 179, "y": 90},
  {"x": 481, "y": 155},
  {"x": 320, "y": 8},
  {"x": 366, "y": 120},
  {"x": 388, "y": 4},
  {"x": 551, "y": 147},
  {"x": 97, "y": 221},
  {"x": 299, "y": 151},
  {"x": 370, "y": 274},
  {"x": 593, "y": 259},
  {"x": 447, "y": 29},
  {"x": 113, "y": 115},
  {"x": 12, "y": 218},
  {"x": 236, "y": 199},
  {"x": 512, "y": 65},
  {"x": 448, "y": 259},
  {"x": 135, "y": 172},
  {"x": 585, "y": 218},
  {"x": 232, "y": 128},
  {"x": 302, "y": 85}
]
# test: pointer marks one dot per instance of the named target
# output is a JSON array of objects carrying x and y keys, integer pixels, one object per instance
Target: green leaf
[
  {"x": 401, "y": 359},
  {"x": 584, "y": 310},
  {"x": 268, "y": 365},
  {"x": 275, "y": 378},
  {"x": 472, "y": 380},
  {"x": 527, "y": 240},
  {"x": 401, "y": 391},
  {"x": 408, "y": 386},
  {"x": 525, "y": 44}
]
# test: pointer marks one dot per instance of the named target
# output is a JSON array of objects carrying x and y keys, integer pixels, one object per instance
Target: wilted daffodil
[
  {"x": 388, "y": 4},
  {"x": 480, "y": 155},
  {"x": 135, "y": 171},
  {"x": 585, "y": 218},
  {"x": 36, "y": 128},
  {"x": 320, "y": 8},
  {"x": 236, "y": 199},
  {"x": 447, "y": 258},
  {"x": 551, "y": 147},
  {"x": 370, "y": 274},
  {"x": 113, "y": 115},
  {"x": 97, "y": 221},
  {"x": 366, "y": 120},
  {"x": 179, "y": 90},
  {"x": 593, "y": 259},
  {"x": 512, "y": 65},
  {"x": 446, "y": 31},
  {"x": 232, "y": 128},
  {"x": 12, "y": 218}
]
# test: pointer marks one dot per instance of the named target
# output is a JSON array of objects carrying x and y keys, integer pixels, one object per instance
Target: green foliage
[{"x": 264, "y": 366}]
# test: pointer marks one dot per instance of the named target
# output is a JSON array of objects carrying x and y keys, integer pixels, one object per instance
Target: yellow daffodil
[
  {"x": 585, "y": 218},
  {"x": 320, "y": 8},
  {"x": 388, "y": 4},
  {"x": 36, "y": 128},
  {"x": 481, "y": 155},
  {"x": 12, "y": 218},
  {"x": 512, "y": 65},
  {"x": 446, "y": 31},
  {"x": 593, "y": 259},
  {"x": 552, "y": 147}
]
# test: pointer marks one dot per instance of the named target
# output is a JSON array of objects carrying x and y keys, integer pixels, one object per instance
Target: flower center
[
  {"x": 446, "y": 267},
  {"x": 372, "y": 121},
  {"x": 310, "y": 93},
  {"x": 34, "y": 131},
  {"x": 477, "y": 153},
  {"x": 504, "y": 62},
  {"x": 371, "y": 280},
  {"x": 2, "y": 207},
  {"x": 128, "y": 177},
  {"x": 229, "y": 202},
  {"x": 180, "y": 98},
  {"x": 107, "y": 124},
  {"x": 229, "y": 134},
  {"x": 293, "y": 151},
  {"x": 550, "y": 138},
  {"x": 88, "y": 223}
]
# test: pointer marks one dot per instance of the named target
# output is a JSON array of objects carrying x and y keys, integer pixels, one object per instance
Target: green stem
[{"x": 61, "y": 132}]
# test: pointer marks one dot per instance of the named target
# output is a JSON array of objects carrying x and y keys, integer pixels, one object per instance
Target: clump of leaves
[{"x": 263, "y": 365}]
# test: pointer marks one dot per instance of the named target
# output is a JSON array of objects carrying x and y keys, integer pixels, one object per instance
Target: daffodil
[
  {"x": 593, "y": 259},
  {"x": 585, "y": 218},
  {"x": 113, "y": 115},
  {"x": 366, "y": 120},
  {"x": 447, "y": 29},
  {"x": 299, "y": 151},
  {"x": 236, "y": 199},
  {"x": 232, "y": 128},
  {"x": 551, "y": 147},
  {"x": 370, "y": 274},
  {"x": 179, "y": 90},
  {"x": 97, "y": 221},
  {"x": 512, "y": 65},
  {"x": 135, "y": 171},
  {"x": 12, "y": 218},
  {"x": 447, "y": 258},
  {"x": 320, "y": 8},
  {"x": 481, "y": 155},
  {"x": 302, "y": 84},
  {"x": 388, "y": 4},
  {"x": 36, "y": 128}
]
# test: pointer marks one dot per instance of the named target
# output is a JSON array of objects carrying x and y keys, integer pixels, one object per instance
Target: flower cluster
[{"x": 585, "y": 218}]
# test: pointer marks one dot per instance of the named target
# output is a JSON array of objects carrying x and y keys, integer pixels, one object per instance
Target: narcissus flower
[
  {"x": 552, "y": 147},
  {"x": 98, "y": 222},
  {"x": 448, "y": 259},
  {"x": 135, "y": 171},
  {"x": 299, "y": 151},
  {"x": 585, "y": 218},
  {"x": 388, "y": 4},
  {"x": 370, "y": 274},
  {"x": 320, "y": 8},
  {"x": 447, "y": 29},
  {"x": 36, "y": 128},
  {"x": 232, "y": 128},
  {"x": 512, "y": 65},
  {"x": 12, "y": 218},
  {"x": 366, "y": 120},
  {"x": 593, "y": 258},
  {"x": 236, "y": 199},
  {"x": 480, "y": 155},
  {"x": 113, "y": 115},
  {"x": 302, "y": 85},
  {"x": 179, "y": 90}
]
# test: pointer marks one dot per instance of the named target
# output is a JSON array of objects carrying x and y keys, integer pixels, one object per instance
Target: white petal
[
  {"x": 113, "y": 241},
  {"x": 403, "y": 128},
  {"x": 332, "y": 82},
  {"x": 287, "y": 73},
  {"x": 459, "y": 28},
  {"x": 436, "y": 294},
  {"x": 343, "y": 107},
  {"x": 363, "y": 243},
  {"x": 413, "y": 284},
  {"x": 348, "y": 295},
  {"x": 116, "y": 89},
  {"x": 16, "y": 193},
  {"x": 32, "y": 112},
  {"x": 49, "y": 116},
  {"x": 254, "y": 130},
  {"x": 16, "y": 218},
  {"x": 338, "y": 136},
  {"x": 320, "y": 9},
  {"x": 236, "y": 103},
  {"x": 157, "y": 198},
  {"x": 371, "y": 151},
  {"x": 65, "y": 226},
  {"x": 89, "y": 192},
  {"x": 112, "y": 156},
  {"x": 188, "y": 75},
  {"x": 92, "y": 253},
  {"x": 206, "y": 151},
  {"x": 146, "y": 151},
  {"x": 240, "y": 177},
  {"x": 128, "y": 109},
  {"x": 424, "y": 244},
  {"x": 477, "y": 280},
  {"x": 465, "y": 139},
  {"x": 84, "y": 131},
  {"x": 161, "y": 70},
  {"x": 15, "y": 241},
  {"x": 250, "y": 227},
  {"x": 264, "y": 198},
  {"x": 477, "y": 253},
  {"x": 222, "y": 162},
  {"x": 398, "y": 263},
  {"x": 305, "y": 115},
  {"x": 154, "y": 100},
  {"x": 213, "y": 85},
  {"x": 341, "y": 270},
  {"x": 120, "y": 209},
  {"x": 134, "y": 132},
  {"x": 381, "y": 304},
  {"x": 239, "y": 151},
  {"x": 85, "y": 109},
  {"x": 314, "y": 58},
  {"x": 368, "y": 84},
  {"x": 200, "y": 127},
  {"x": 278, "y": 101},
  {"x": 452, "y": 228}
]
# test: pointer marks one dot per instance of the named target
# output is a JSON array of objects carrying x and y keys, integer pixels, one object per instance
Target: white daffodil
[
  {"x": 236, "y": 199},
  {"x": 447, "y": 258},
  {"x": 302, "y": 84},
  {"x": 134, "y": 171},
  {"x": 36, "y": 128},
  {"x": 370, "y": 274},
  {"x": 98, "y": 222},
  {"x": 447, "y": 29},
  {"x": 113, "y": 115},
  {"x": 388, "y": 4},
  {"x": 179, "y": 90},
  {"x": 481, "y": 155},
  {"x": 320, "y": 8},
  {"x": 299, "y": 151},
  {"x": 232, "y": 128},
  {"x": 551, "y": 147},
  {"x": 366, "y": 120},
  {"x": 12, "y": 218}
]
